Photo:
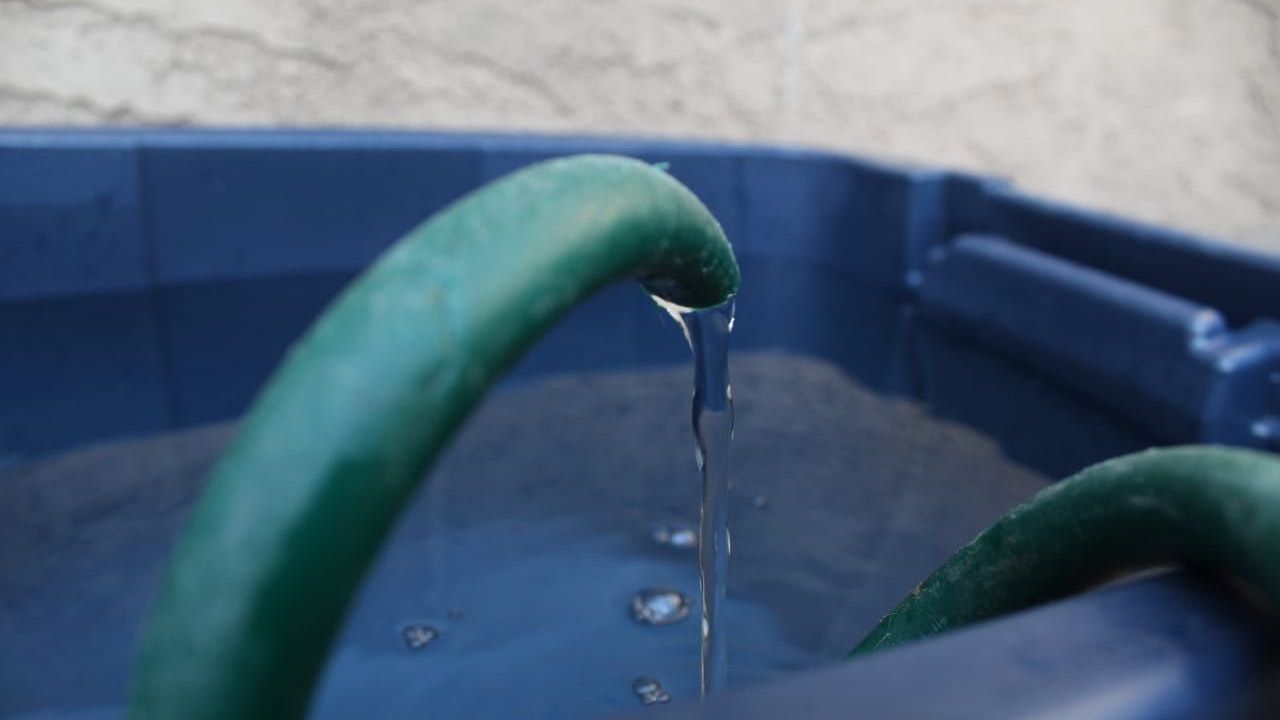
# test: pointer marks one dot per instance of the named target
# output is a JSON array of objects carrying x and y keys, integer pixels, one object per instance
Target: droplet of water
[
  {"x": 650, "y": 691},
  {"x": 659, "y": 606},
  {"x": 760, "y": 502},
  {"x": 681, "y": 538},
  {"x": 454, "y": 615},
  {"x": 417, "y": 637}
]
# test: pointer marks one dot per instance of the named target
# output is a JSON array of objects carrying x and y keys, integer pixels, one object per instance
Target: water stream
[{"x": 708, "y": 334}]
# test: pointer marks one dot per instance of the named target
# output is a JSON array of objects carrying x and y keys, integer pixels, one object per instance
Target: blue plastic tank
[{"x": 916, "y": 351}]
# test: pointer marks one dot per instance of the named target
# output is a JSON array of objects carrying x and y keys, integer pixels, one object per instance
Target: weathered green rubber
[
  {"x": 1212, "y": 507},
  {"x": 345, "y": 430}
]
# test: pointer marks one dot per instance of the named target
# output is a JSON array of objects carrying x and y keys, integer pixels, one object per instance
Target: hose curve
[
  {"x": 1212, "y": 507},
  {"x": 345, "y": 430}
]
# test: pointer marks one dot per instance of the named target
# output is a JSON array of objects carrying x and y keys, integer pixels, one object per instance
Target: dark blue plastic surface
[
  {"x": 1123, "y": 653},
  {"x": 151, "y": 280},
  {"x": 1162, "y": 361},
  {"x": 151, "y": 217}
]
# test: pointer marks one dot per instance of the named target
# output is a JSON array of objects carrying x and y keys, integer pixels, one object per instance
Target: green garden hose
[
  {"x": 1212, "y": 507},
  {"x": 343, "y": 433}
]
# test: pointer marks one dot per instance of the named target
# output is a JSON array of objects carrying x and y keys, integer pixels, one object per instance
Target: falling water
[{"x": 708, "y": 334}]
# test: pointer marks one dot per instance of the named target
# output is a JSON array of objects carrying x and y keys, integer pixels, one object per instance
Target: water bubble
[
  {"x": 760, "y": 502},
  {"x": 659, "y": 606},
  {"x": 681, "y": 538},
  {"x": 454, "y": 615},
  {"x": 417, "y": 637},
  {"x": 650, "y": 691},
  {"x": 1266, "y": 428}
]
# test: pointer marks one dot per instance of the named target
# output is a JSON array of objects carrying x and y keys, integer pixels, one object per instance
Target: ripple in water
[
  {"x": 659, "y": 606},
  {"x": 417, "y": 637},
  {"x": 650, "y": 691},
  {"x": 681, "y": 538}
]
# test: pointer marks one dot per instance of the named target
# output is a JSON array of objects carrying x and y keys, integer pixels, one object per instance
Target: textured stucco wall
[{"x": 1167, "y": 110}]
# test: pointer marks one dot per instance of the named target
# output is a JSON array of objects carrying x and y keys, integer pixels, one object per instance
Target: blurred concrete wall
[{"x": 1167, "y": 110}]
